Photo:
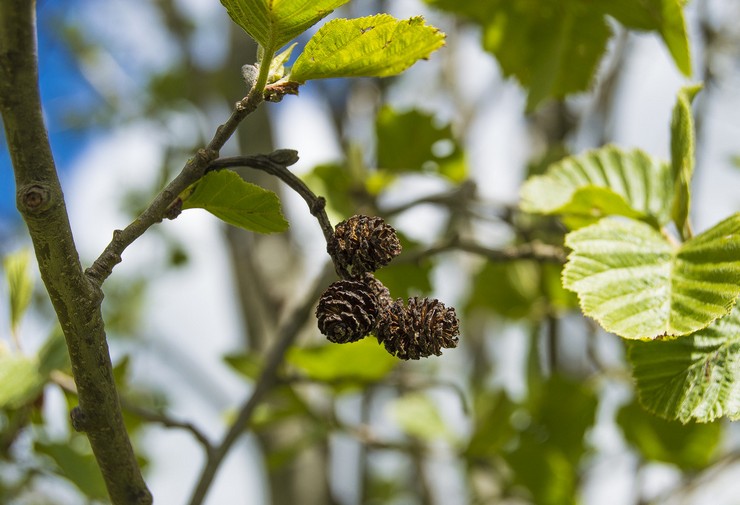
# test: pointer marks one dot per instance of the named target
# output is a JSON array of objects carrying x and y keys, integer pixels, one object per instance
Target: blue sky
[{"x": 64, "y": 90}]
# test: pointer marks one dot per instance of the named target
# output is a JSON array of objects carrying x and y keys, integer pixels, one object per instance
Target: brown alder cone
[
  {"x": 347, "y": 311},
  {"x": 363, "y": 244},
  {"x": 421, "y": 329}
]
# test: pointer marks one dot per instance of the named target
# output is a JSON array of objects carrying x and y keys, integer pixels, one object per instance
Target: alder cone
[
  {"x": 381, "y": 292},
  {"x": 363, "y": 244},
  {"x": 419, "y": 330},
  {"x": 347, "y": 311}
]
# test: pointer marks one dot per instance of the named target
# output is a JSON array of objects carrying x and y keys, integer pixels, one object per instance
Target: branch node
[
  {"x": 34, "y": 199},
  {"x": 174, "y": 209},
  {"x": 318, "y": 206},
  {"x": 79, "y": 419}
]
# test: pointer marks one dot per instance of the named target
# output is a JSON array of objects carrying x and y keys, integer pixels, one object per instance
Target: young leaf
[
  {"x": 20, "y": 285},
  {"x": 363, "y": 361},
  {"x": 236, "y": 201},
  {"x": 682, "y": 157},
  {"x": 602, "y": 182},
  {"x": 696, "y": 377},
  {"x": 274, "y": 23},
  {"x": 638, "y": 285},
  {"x": 373, "y": 46}
]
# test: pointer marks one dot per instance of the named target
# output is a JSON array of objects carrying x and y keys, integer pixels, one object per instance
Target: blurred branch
[
  {"x": 193, "y": 170},
  {"x": 285, "y": 337},
  {"x": 537, "y": 251},
  {"x": 276, "y": 164}
]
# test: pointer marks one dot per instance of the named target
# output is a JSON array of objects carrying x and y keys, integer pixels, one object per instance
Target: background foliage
[{"x": 538, "y": 404}]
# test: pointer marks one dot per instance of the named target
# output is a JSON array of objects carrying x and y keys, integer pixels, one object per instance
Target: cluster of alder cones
[{"x": 360, "y": 305}]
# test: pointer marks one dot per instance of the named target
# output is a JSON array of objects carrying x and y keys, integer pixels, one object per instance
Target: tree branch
[
  {"x": 537, "y": 251},
  {"x": 285, "y": 337},
  {"x": 76, "y": 300},
  {"x": 193, "y": 170}
]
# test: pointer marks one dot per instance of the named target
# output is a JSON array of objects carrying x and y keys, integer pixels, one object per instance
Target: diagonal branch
[
  {"x": 285, "y": 337},
  {"x": 76, "y": 300}
]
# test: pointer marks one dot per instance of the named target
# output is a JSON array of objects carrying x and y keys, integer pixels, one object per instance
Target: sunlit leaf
[
  {"x": 690, "y": 447},
  {"x": 373, "y": 46},
  {"x": 418, "y": 416},
  {"x": 695, "y": 377},
  {"x": 237, "y": 202},
  {"x": 358, "y": 362},
  {"x": 602, "y": 182},
  {"x": 682, "y": 156},
  {"x": 274, "y": 23},
  {"x": 640, "y": 286},
  {"x": 20, "y": 285}
]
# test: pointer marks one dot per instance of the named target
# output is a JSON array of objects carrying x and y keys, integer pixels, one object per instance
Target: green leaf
[
  {"x": 418, "y": 416},
  {"x": 599, "y": 183},
  {"x": 77, "y": 465},
  {"x": 552, "y": 47},
  {"x": 397, "y": 131},
  {"x": 405, "y": 280},
  {"x": 663, "y": 16},
  {"x": 682, "y": 157},
  {"x": 20, "y": 379},
  {"x": 236, "y": 201},
  {"x": 639, "y": 286},
  {"x": 373, "y": 46},
  {"x": 358, "y": 362},
  {"x": 20, "y": 285},
  {"x": 696, "y": 377},
  {"x": 274, "y": 23},
  {"x": 690, "y": 447},
  {"x": 510, "y": 289},
  {"x": 249, "y": 365}
]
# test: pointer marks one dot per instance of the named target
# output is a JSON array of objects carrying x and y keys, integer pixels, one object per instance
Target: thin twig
[
  {"x": 193, "y": 170},
  {"x": 285, "y": 337},
  {"x": 276, "y": 164}
]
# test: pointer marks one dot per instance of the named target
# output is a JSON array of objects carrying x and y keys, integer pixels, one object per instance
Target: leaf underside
[
  {"x": 696, "y": 377},
  {"x": 638, "y": 285},
  {"x": 602, "y": 182}
]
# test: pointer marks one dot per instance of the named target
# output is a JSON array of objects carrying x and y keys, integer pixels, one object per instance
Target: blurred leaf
[
  {"x": 20, "y": 285},
  {"x": 662, "y": 16},
  {"x": 249, "y": 365},
  {"x": 237, "y": 202},
  {"x": 510, "y": 289},
  {"x": 690, "y": 447},
  {"x": 358, "y": 362},
  {"x": 682, "y": 156},
  {"x": 338, "y": 185},
  {"x": 282, "y": 404},
  {"x": 553, "y": 47},
  {"x": 696, "y": 377},
  {"x": 552, "y": 444},
  {"x": 396, "y": 132},
  {"x": 602, "y": 182},
  {"x": 53, "y": 355},
  {"x": 20, "y": 379},
  {"x": 77, "y": 466},
  {"x": 405, "y": 280},
  {"x": 638, "y": 285},
  {"x": 274, "y": 23},
  {"x": 373, "y": 46},
  {"x": 419, "y": 417},
  {"x": 492, "y": 429}
]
